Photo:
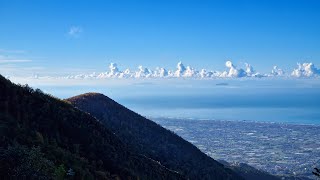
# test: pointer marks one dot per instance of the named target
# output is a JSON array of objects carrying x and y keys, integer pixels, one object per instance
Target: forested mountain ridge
[
  {"x": 43, "y": 137},
  {"x": 152, "y": 140}
]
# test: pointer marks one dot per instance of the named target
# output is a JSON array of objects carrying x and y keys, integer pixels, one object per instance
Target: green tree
[
  {"x": 27, "y": 163},
  {"x": 59, "y": 172}
]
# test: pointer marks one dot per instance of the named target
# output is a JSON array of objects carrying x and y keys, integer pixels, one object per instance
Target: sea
[
  {"x": 293, "y": 101},
  {"x": 290, "y": 102},
  {"x": 293, "y": 106}
]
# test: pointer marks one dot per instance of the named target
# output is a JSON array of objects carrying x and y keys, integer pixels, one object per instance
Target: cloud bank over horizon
[
  {"x": 303, "y": 70},
  {"x": 306, "y": 70}
]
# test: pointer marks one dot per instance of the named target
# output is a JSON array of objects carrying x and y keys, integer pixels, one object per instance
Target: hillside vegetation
[{"x": 42, "y": 137}]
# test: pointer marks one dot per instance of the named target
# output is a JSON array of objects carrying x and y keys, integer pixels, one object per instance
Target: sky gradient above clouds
[
  {"x": 184, "y": 55},
  {"x": 59, "y": 38}
]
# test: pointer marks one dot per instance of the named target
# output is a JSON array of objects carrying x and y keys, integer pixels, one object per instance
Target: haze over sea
[{"x": 294, "y": 101}]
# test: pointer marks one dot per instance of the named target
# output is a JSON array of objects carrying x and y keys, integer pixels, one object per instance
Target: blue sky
[{"x": 84, "y": 36}]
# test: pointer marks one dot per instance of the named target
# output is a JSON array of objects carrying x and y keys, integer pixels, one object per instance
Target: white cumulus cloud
[
  {"x": 233, "y": 71},
  {"x": 181, "y": 71},
  {"x": 305, "y": 70},
  {"x": 276, "y": 71},
  {"x": 143, "y": 72}
]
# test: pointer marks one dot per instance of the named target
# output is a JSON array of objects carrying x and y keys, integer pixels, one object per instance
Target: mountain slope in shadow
[
  {"x": 42, "y": 137},
  {"x": 152, "y": 140},
  {"x": 249, "y": 172}
]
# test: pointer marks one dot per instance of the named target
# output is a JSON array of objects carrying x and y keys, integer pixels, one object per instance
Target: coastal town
[{"x": 279, "y": 149}]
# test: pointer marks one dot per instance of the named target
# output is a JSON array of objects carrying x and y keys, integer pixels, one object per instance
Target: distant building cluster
[{"x": 280, "y": 149}]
